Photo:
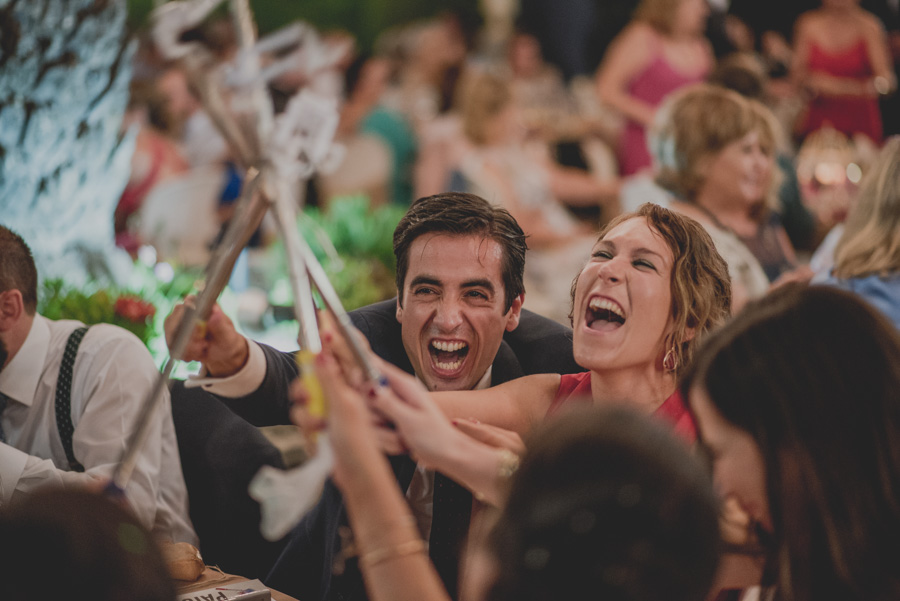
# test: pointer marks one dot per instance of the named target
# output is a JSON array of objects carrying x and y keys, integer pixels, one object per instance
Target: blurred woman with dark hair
[
  {"x": 75, "y": 544},
  {"x": 798, "y": 403},
  {"x": 606, "y": 505}
]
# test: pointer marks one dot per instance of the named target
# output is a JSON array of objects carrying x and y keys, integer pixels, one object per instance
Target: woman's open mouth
[
  {"x": 448, "y": 356},
  {"x": 603, "y": 315}
]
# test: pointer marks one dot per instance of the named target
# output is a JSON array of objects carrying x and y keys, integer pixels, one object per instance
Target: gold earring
[{"x": 670, "y": 360}]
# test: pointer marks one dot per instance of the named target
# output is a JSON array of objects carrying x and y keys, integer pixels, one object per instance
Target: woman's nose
[{"x": 611, "y": 270}]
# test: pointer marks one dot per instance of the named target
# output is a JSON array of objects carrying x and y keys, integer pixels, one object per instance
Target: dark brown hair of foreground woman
[
  {"x": 606, "y": 505},
  {"x": 812, "y": 376},
  {"x": 74, "y": 544}
]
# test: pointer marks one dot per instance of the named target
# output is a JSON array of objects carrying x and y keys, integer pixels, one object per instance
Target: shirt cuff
[
  {"x": 247, "y": 380},
  {"x": 12, "y": 464}
]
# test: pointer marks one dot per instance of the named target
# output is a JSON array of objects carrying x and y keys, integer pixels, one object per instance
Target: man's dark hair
[
  {"x": 458, "y": 213},
  {"x": 17, "y": 270}
]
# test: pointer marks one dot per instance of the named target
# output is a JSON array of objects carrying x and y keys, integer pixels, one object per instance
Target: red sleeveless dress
[
  {"x": 845, "y": 114},
  {"x": 575, "y": 389}
]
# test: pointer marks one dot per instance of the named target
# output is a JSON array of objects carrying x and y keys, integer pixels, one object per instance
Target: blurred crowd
[
  {"x": 563, "y": 122},
  {"x": 688, "y": 387}
]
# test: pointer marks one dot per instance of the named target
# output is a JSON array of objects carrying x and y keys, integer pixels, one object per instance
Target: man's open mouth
[
  {"x": 448, "y": 355},
  {"x": 603, "y": 315}
]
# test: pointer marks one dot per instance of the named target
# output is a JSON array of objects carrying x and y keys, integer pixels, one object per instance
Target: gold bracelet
[{"x": 373, "y": 558}]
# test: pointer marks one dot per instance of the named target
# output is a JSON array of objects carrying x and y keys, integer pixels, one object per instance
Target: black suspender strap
[{"x": 64, "y": 397}]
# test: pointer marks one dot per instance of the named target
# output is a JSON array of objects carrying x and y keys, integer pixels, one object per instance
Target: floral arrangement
[
  {"x": 121, "y": 308},
  {"x": 140, "y": 305}
]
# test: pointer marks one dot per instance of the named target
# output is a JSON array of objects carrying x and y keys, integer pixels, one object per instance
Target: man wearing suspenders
[{"x": 69, "y": 398}]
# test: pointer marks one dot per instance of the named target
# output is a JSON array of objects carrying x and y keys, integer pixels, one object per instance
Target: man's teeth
[
  {"x": 448, "y": 347},
  {"x": 445, "y": 346},
  {"x": 448, "y": 366},
  {"x": 602, "y": 304}
]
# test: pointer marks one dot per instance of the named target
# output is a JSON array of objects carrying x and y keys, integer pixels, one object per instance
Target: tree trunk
[{"x": 64, "y": 74}]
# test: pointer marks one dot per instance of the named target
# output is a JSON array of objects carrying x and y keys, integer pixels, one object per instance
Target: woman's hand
[
  {"x": 354, "y": 434},
  {"x": 420, "y": 424},
  {"x": 478, "y": 456},
  {"x": 343, "y": 382},
  {"x": 802, "y": 274}
]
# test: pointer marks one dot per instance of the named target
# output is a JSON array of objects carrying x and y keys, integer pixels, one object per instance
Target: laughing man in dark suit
[{"x": 457, "y": 324}]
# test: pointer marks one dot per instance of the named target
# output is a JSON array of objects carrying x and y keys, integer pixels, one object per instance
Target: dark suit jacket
[{"x": 305, "y": 568}]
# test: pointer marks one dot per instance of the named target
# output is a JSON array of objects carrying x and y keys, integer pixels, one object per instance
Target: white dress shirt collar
[
  {"x": 19, "y": 379},
  {"x": 485, "y": 381}
]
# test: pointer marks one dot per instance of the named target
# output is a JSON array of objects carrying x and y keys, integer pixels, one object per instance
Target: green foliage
[
  {"x": 363, "y": 270},
  {"x": 355, "y": 229}
]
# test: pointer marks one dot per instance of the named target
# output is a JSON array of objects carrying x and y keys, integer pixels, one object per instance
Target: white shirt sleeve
[
  {"x": 244, "y": 382},
  {"x": 38, "y": 473},
  {"x": 112, "y": 376},
  {"x": 12, "y": 465}
]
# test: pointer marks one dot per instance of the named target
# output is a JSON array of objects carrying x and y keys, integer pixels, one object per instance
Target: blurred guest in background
[
  {"x": 867, "y": 258},
  {"x": 842, "y": 59},
  {"x": 662, "y": 50},
  {"x": 502, "y": 166},
  {"x": 723, "y": 172}
]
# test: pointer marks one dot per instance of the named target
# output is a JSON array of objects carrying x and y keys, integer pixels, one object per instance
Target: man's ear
[
  {"x": 12, "y": 308},
  {"x": 399, "y": 312},
  {"x": 514, "y": 313}
]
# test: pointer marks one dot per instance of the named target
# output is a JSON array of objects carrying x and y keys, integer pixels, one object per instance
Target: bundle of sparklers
[{"x": 278, "y": 153}]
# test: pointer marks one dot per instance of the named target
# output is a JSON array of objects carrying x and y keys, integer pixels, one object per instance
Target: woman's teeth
[{"x": 602, "y": 304}]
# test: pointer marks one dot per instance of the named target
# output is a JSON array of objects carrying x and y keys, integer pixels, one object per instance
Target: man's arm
[
  {"x": 255, "y": 384},
  {"x": 269, "y": 404},
  {"x": 21, "y": 473},
  {"x": 252, "y": 379}
]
